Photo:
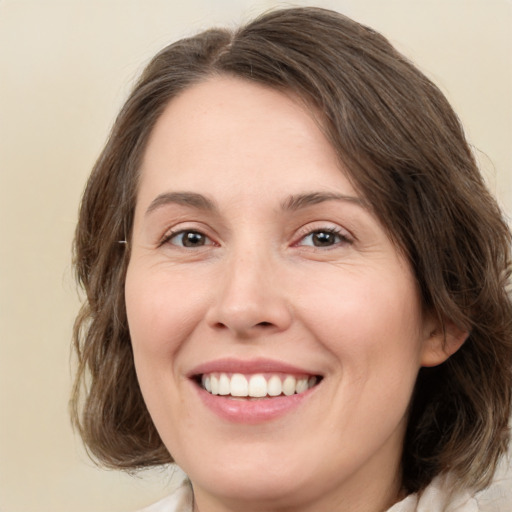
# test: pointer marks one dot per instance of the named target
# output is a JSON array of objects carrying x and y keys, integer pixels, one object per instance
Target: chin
[
  {"x": 278, "y": 488},
  {"x": 250, "y": 473}
]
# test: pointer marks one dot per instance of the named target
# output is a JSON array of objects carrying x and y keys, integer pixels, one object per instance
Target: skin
[{"x": 255, "y": 285}]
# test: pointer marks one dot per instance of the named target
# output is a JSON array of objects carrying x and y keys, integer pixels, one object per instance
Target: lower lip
[{"x": 252, "y": 411}]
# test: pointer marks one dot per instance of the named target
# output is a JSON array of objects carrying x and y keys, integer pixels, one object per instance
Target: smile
[
  {"x": 257, "y": 385},
  {"x": 253, "y": 391}
]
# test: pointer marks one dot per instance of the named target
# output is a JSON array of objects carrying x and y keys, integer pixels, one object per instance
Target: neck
[{"x": 355, "y": 496}]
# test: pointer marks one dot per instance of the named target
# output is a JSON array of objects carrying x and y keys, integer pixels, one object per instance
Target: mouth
[
  {"x": 256, "y": 386},
  {"x": 253, "y": 391}
]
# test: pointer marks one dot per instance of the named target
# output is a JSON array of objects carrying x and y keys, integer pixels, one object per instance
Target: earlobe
[{"x": 440, "y": 344}]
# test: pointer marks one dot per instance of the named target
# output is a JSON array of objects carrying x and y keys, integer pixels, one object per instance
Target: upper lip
[{"x": 252, "y": 366}]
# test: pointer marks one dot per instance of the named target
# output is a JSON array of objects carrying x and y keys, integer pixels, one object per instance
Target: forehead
[{"x": 226, "y": 133}]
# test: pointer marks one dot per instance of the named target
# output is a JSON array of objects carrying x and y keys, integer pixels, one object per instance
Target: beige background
[{"x": 65, "y": 68}]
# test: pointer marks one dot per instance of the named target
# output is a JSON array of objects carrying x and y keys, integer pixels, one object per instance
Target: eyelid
[
  {"x": 318, "y": 226},
  {"x": 183, "y": 228},
  {"x": 172, "y": 236}
]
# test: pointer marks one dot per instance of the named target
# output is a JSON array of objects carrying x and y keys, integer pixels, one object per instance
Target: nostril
[{"x": 264, "y": 324}]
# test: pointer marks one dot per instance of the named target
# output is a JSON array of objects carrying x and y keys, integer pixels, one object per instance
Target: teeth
[
  {"x": 214, "y": 383},
  {"x": 207, "y": 383},
  {"x": 274, "y": 386},
  {"x": 302, "y": 385},
  {"x": 239, "y": 385},
  {"x": 224, "y": 384},
  {"x": 255, "y": 386},
  {"x": 289, "y": 384}
]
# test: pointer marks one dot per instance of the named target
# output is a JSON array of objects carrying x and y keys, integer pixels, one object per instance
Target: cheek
[
  {"x": 373, "y": 326},
  {"x": 158, "y": 316},
  {"x": 159, "y": 321}
]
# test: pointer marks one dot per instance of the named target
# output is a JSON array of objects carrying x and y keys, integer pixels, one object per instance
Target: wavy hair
[{"x": 405, "y": 152}]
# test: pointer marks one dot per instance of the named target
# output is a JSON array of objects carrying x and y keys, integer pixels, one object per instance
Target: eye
[
  {"x": 187, "y": 238},
  {"x": 327, "y": 237}
]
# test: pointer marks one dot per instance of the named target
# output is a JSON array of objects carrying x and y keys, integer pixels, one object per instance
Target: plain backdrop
[{"x": 65, "y": 69}]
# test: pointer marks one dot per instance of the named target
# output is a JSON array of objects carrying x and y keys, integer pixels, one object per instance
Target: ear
[{"x": 441, "y": 343}]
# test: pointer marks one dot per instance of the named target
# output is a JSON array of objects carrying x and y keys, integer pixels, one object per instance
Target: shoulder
[
  {"x": 439, "y": 496},
  {"x": 442, "y": 495},
  {"x": 498, "y": 496}
]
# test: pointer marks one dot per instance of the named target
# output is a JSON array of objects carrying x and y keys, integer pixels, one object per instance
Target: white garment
[
  {"x": 439, "y": 496},
  {"x": 179, "y": 501}
]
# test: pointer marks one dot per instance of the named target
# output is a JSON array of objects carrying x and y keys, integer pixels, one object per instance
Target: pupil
[
  {"x": 323, "y": 238},
  {"x": 192, "y": 239}
]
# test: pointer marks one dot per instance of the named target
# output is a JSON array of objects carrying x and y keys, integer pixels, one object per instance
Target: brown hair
[{"x": 406, "y": 154}]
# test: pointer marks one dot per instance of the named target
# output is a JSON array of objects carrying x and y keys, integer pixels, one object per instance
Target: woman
[{"x": 296, "y": 280}]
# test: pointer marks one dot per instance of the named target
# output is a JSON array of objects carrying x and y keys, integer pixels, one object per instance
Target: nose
[{"x": 251, "y": 298}]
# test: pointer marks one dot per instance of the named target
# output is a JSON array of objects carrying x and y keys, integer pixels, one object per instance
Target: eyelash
[
  {"x": 344, "y": 238},
  {"x": 339, "y": 233},
  {"x": 173, "y": 234}
]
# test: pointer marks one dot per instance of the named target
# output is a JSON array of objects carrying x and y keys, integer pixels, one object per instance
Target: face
[{"x": 277, "y": 332}]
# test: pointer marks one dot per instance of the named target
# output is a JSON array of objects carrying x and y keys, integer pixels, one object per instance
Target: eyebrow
[
  {"x": 292, "y": 203},
  {"x": 296, "y": 202},
  {"x": 191, "y": 199}
]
